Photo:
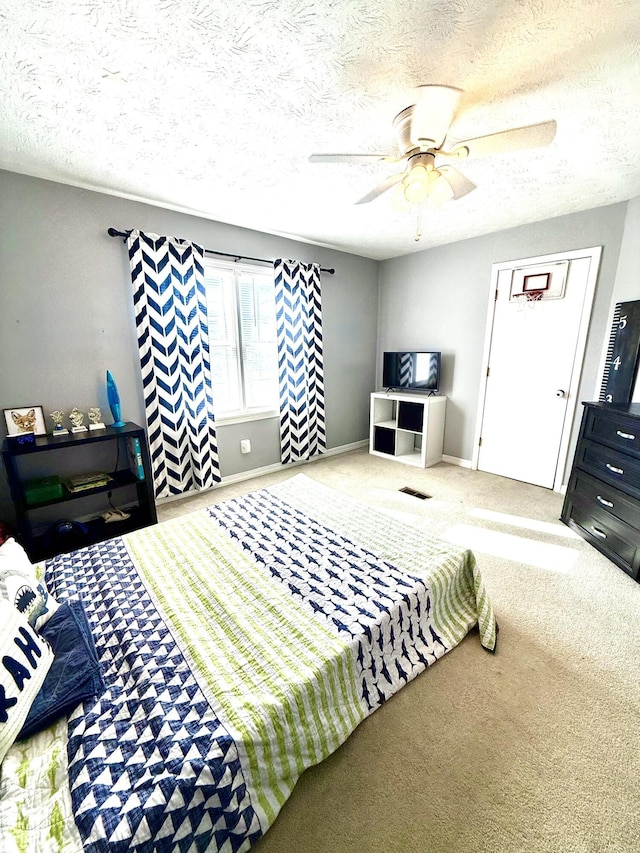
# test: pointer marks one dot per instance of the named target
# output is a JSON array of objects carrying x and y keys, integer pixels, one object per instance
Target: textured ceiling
[{"x": 214, "y": 106}]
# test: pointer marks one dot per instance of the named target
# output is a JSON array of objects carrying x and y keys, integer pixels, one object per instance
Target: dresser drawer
[
  {"x": 613, "y": 537},
  {"x": 614, "y": 430},
  {"x": 609, "y": 465},
  {"x": 601, "y": 496}
]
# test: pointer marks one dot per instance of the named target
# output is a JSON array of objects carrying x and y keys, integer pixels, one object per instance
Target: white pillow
[
  {"x": 20, "y": 587},
  {"x": 13, "y": 556},
  {"x": 25, "y": 658}
]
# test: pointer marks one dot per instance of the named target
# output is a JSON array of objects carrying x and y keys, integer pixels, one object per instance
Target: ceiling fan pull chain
[{"x": 418, "y": 223}]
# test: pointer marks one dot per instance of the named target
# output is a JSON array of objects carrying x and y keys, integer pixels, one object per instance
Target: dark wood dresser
[{"x": 602, "y": 503}]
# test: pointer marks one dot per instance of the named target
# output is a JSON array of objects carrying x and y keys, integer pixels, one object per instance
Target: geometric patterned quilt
[{"x": 238, "y": 646}]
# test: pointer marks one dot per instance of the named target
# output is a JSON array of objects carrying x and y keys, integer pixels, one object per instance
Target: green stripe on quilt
[
  {"x": 459, "y": 598},
  {"x": 282, "y": 683},
  {"x": 36, "y": 812}
]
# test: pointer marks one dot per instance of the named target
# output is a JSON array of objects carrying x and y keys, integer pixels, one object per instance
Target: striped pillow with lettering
[{"x": 25, "y": 659}]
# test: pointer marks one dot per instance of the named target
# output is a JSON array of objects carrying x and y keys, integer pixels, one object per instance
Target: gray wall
[
  {"x": 627, "y": 284},
  {"x": 438, "y": 299},
  {"x": 66, "y": 312}
]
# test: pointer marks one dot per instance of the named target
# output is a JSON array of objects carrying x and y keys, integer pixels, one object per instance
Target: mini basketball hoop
[{"x": 528, "y": 298}]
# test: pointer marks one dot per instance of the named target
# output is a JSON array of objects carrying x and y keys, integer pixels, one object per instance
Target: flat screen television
[{"x": 411, "y": 371}]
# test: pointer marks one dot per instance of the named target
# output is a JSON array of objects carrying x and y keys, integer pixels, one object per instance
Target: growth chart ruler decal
[{"x": 621, "y": 365}]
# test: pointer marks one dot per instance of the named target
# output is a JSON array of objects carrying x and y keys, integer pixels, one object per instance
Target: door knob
[{"x": 560, "y": 393}]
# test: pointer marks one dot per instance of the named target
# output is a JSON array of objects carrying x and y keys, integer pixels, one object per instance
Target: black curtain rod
[{"x": 112, "y": 232}]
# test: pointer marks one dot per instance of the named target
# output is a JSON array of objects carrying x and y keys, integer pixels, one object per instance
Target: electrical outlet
[{"x": 245, "y": 445}]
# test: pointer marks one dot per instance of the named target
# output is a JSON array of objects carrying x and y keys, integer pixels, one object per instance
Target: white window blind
[{"x": 242, "y": 340}]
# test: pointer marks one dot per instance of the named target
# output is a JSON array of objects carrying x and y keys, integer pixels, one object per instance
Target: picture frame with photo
[{"x": 25, "y": 420}]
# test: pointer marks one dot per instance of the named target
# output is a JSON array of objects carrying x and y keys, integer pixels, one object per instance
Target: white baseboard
[
  {"x": 278, "y": 466},
  {"x": 455, "y": 460},
  {"x": 267, "y": 469},
  {"x": 468, "y": 463}
]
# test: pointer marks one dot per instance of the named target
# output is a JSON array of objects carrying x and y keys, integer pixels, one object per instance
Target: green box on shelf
[{"x": 43, "y": 489}]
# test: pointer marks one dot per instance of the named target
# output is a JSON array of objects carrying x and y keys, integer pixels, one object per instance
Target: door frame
[{"x": 594, "y": 253}]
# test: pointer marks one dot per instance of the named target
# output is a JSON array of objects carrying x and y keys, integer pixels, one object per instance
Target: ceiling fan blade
[
  {"x": 433, "y": 113},
  {"x": 457, "y": 181},
  {"x": 532, "y": 136},
  {"x": 381, "y": 188},
  {"x": 351, "y": 158}
]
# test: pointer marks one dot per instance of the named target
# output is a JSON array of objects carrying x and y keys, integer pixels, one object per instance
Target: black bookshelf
[{"x": 38, "y": 543}]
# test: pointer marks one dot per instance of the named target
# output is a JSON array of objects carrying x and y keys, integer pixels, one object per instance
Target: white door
[{"x": 534, "y": 358}]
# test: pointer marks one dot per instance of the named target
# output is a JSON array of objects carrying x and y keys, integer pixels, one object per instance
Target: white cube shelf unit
[{"x": 407, "y": 427}]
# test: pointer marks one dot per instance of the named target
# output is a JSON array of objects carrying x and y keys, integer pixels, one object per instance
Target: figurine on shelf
[
  {"x": 58, "y": 428},
  {"x": 95, "y": 416},
  {"x": 77, "y": 419}
]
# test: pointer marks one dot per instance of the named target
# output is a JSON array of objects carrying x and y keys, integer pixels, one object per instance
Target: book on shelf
[
  {"x": 84, "y": 482},
  {"x": 135, "y": 457},
  {"x": 90, "y": 477}
]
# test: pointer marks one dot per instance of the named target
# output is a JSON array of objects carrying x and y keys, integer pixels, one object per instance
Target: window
[{"x": 242, "y": 340}]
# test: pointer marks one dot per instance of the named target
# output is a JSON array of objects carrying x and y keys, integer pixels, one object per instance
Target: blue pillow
[{"x": 75, "y": 672}]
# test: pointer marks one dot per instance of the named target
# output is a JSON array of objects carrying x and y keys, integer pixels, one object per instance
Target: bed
[{"x": 237, "y": 645}]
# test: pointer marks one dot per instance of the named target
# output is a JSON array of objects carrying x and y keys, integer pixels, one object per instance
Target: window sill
[{"x": 242, "y": 419}]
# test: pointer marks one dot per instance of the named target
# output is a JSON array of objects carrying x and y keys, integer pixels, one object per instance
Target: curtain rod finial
[{"x": 113, "y": 232}]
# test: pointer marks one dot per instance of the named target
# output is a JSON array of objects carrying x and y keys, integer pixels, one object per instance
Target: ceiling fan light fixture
[
  {"x": 422, "y": 131},
  {"x": 440, "y": 190},
  {"x": 416, "y": 184},
  {"x": 418, "y": 177},
  {"x": 399, "y": 201},
  {"x": 416, "y": 193}
]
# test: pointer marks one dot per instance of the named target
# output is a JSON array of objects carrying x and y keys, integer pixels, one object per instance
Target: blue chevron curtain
[
  {"x": 300, "y": 361},
  {"x": 171, "y": 321}
]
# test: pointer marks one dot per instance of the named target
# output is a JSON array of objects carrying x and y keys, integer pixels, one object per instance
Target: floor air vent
[{"x": 414, "y": 493}]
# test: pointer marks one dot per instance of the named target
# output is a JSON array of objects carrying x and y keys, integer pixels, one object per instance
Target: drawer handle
[
  {"x": 604, "y": 502},
  {"x": 614, "y": 469},
  {"x": 626, "y": 435},
  {"x": 599, "y": 533}
]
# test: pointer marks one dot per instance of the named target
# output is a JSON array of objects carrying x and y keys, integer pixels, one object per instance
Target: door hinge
[
  {"x": 495, "y": 295},
  {"x": 488, "y": 370},
  {"x": 480, "y": 442}
]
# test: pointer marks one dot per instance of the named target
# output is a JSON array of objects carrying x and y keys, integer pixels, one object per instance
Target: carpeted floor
[{"x": 532, "y": 749}]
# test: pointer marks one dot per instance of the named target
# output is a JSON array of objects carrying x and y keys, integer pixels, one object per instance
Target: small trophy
[
  {"x": 77, "y": 419},
  {"x": 95, "y": 416},
  {"x": 58, "y": 428}
]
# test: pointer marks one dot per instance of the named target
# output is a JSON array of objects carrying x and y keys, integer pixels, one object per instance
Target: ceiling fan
[{"x": 421, "y": 131}]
